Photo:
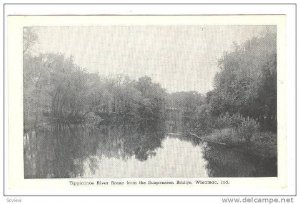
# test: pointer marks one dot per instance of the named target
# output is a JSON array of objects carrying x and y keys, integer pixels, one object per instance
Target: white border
[{"x": 194, "y": 9}]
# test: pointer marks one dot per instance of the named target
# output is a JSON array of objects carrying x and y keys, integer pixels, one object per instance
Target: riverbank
[{"x": 262, "y": 144}]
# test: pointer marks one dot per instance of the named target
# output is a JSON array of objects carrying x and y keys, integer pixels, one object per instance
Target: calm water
[{"x": 114, "y": 152}]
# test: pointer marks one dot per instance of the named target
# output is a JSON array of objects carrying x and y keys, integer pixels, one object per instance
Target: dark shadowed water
[{"x": 60, "y": 151}]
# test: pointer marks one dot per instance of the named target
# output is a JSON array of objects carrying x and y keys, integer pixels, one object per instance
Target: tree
[
  {"x": 152, "y": 105},
  {"x": 29, "y": 39},
  {"x": 246, "y": 83}
]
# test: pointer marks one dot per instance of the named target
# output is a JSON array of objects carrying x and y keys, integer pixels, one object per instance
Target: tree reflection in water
[
  {"x": 175, "y": 158},
  {"x": 59, "y": 150},
  {"x": 227, "y": 161}
]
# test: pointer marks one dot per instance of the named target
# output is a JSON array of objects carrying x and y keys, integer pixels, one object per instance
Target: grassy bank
[{"x": 262, "y": 144}]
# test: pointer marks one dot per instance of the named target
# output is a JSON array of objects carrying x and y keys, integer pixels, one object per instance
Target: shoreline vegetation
[
  {"x": 240, "y": 112},
  {"x": 263, "y": 144}
]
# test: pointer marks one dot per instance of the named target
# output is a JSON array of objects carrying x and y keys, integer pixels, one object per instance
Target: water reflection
[
  {"x": 60, "y": 151},
  {"x": 172, "y": 159},
  {"x": 226, "y": 161}
]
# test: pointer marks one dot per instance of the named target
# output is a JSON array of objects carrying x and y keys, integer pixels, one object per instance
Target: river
[{"x": 59, "y": 151}]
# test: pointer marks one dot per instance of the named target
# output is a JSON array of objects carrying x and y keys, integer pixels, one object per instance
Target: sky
[{"x": 179, "y": 57}]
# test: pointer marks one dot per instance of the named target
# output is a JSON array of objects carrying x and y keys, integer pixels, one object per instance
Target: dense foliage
[
  {"x": 56, "y": 88},
  {"x": 247, "y": 82},
  {"x": 240, "y": 109}
]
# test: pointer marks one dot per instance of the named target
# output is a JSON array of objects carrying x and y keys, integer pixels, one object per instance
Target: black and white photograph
[
  {"x": 134, "y": 100},
  {"x": 150, "y": 101}
]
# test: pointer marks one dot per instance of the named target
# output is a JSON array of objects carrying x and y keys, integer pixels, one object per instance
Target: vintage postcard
[
  {"x": 150, "y": 101},
  {"x": 147, "y": 104}
]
